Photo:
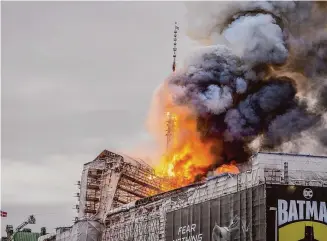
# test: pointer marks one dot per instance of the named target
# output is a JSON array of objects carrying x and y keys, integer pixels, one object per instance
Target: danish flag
[{"x": 3, "y": 214}]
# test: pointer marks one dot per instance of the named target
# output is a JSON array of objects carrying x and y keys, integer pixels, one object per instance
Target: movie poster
[{"x": 296, "y": 213}]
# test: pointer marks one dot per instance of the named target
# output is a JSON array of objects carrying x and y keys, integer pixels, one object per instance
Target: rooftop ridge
[{"x": 290, "y": 154}]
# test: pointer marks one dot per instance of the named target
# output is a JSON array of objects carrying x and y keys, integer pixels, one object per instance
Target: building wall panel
[{"x": 214, "y": 218}]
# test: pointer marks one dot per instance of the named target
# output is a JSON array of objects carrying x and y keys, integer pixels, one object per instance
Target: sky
[{"x": 77, "y": 78}]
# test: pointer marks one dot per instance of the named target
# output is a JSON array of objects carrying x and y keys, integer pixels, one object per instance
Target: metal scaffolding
[{"x": 112, "y": 180}]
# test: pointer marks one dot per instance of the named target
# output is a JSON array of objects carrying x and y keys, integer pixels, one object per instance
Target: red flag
[{"x": 3, "y": 214}]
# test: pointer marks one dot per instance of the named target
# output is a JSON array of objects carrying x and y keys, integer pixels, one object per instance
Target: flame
[
  {"x": 228, "y": 168},
  {"x": 187, "y": 156}
]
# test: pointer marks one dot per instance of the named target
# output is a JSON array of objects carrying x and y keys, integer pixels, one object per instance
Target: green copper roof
[{"x": 26, "y": 236}]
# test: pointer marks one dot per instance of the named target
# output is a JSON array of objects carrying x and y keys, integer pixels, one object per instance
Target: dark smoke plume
[
  {"x": 243, "y": 86},
  {"x": 261, "y": 77}
]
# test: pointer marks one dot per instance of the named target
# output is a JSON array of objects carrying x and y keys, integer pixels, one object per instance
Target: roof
[
  {"x": 290, "y": 154},
  {"x": 126, "y": 158},
  {"x": 26, "y": 236},
  {"x": 266, "y": 167}
]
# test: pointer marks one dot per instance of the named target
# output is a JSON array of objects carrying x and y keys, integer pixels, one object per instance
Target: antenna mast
[{"x": 175, "y": 46}]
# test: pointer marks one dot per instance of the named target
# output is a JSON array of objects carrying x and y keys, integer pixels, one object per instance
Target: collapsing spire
[
  {"x": 170, "y": 117},
  {"x": 175, "y": 46}
]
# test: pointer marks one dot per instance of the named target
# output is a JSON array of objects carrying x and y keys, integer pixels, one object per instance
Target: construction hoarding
[
  {"x": 261, "y": 213},
  {"x": 296, "y": 213},
  {"x": 237, "y": 216}
]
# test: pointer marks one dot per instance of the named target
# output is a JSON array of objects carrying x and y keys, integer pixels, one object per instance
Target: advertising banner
[
  {"x": 296, "y": 213},
  {"x": 237, "y": 216}
]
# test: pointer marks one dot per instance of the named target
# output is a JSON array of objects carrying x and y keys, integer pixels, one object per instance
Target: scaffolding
[
  {"x": 112, "y": 180},
  {"x": 92, "y": 197}
]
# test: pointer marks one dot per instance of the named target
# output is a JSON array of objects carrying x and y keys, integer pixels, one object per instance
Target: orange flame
[
  {"x": 187, "y": 156},
  {"x": 228, "y": 168}
]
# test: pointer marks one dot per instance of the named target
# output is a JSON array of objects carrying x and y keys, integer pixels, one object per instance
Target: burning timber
[{"x": 274, "y": 196}]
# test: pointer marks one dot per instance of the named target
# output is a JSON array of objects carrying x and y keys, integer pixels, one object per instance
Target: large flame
[{"x": 187, "y": 156}]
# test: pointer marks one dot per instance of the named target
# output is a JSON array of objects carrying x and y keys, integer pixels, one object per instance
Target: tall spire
[
  {"x": 171, "y": 119},
  {"x": 175, "y": 46}
]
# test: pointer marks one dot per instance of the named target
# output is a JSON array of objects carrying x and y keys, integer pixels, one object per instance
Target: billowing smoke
[{"x": 262, "y": 73}]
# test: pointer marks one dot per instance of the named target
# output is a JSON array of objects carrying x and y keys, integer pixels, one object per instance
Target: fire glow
[{"x": 188, "y": 158}]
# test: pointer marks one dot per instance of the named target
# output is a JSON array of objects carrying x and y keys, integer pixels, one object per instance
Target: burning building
[
  {"x": 272, "y": 198},
  {"x": 258, "y": 83},
  {"x": 273, "y": 194}
]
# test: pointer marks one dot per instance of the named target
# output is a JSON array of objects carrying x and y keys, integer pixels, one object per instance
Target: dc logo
[{"x": 307, "y": 193}]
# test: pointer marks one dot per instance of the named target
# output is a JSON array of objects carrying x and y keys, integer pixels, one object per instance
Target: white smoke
[
  {"x": 207, "y": 20},
  {"x": 301, "y": 23},
  {"x": 216, "y": 99},
  {"x": 257, "y": 39}
]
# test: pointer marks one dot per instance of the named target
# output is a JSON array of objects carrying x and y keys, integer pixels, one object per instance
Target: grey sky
[{"x": 77, "y": 77}]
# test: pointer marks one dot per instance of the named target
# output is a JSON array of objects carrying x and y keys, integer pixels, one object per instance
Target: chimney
[{"x": 286, "y": 172}]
